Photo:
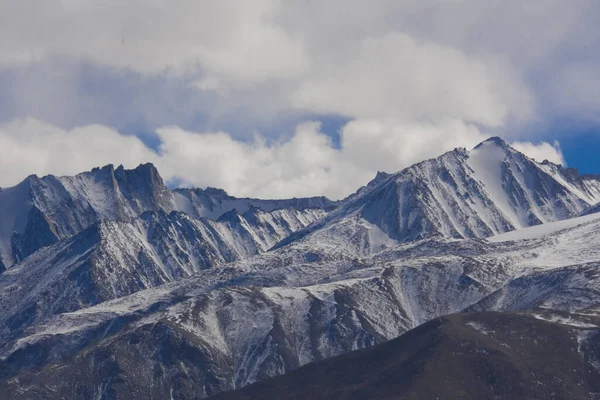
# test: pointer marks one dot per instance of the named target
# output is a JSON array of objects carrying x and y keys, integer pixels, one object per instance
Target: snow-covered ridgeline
[{"x": 41, "y": 211}]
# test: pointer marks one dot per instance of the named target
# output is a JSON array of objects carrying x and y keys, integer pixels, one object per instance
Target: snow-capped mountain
[
  {"x": 188, "y": 293},
  {"x": 462, "y": 194},
  {"x": 40, "y": 211}
]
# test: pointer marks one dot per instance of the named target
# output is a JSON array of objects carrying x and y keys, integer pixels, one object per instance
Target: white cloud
[
  {"x": 541, "y": 151},
  {"x": 234, "y": 40},
  {"x": 480, "y": 61},
  {"x": 394, "y": 76},
  {"x": 391, "y": 146},
  {"x": 349, "y": 58},
  {"x": 414, "y": 77},
  {"x": 305, "y": 165},
  {"x": 30, "y": 146}
]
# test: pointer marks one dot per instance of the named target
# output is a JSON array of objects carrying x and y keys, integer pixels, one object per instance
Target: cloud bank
[
  {"x": 306, "y": 164},
  {"x": 481, "y": 61},
  {"x": 409, "y": 79}
]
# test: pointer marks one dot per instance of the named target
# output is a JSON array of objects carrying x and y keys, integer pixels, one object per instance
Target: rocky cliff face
[{"x": 45, "y": 210}]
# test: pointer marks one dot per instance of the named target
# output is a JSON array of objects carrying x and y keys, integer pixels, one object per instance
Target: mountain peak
[
  {"x": 495, "y": 140},
  {"x": 110, "y": 168},
  {"x": 107, "y": 167},
  {"x": 145, "y": 166},
  {"x": 381, "y": 176}
]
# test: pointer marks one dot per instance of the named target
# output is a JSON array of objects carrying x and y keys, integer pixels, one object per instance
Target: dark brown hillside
[{"x": 466, "y": 356}]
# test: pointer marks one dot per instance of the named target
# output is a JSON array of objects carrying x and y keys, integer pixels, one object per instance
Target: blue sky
[
  {"x": 277, "y": 99},
  {"x": 581, "y": 150}
]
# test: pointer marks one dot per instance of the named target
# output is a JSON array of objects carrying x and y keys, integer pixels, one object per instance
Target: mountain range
[{"x": 114, "y": 286}]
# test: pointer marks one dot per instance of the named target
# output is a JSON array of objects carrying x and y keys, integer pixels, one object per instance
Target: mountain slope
[
  {"x": 112, "y": 259},
  {"x": 490, "y": 190},
  {"x": 269, "y": 315},
  {"x": 475, "y": 356},
  {"x": 592, "y": 210},
  {"x": 40, "y": 211},
  {"x": 212, "y": 203}
]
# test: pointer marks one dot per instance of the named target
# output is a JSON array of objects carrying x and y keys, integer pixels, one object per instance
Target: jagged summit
[
  {"x": 381, "y": 176},
  {"x": 496, "y": 140},
  {"x": 40, "y": 211},
  {"x": 149, "y": 168},
  {"x": 107, "y": 167},
  {"x": 50, "y": 208}
]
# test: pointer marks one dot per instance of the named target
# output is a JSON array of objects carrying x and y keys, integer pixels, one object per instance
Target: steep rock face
[
  {"x": 48, "y": 209},
  {"x": 592, "y": 210},
  {"x": 15, "y": 204}
]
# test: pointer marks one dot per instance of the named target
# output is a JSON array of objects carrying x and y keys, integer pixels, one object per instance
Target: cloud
[
  {"x": 395, "y": 76},
  {"x": 29, "y": 146},
  {"x": 382, "y": 59},
  {"x": 232, "y": 40},
  {"x": 413, "y": 78},
  {"x": 541, "y": 151},
  {"x": 575, "y": 90},
  {"x": 235, "y": 42},
  {"x": 307, "y": 164},
  {"x": 391, "y": 146},
  {"x": 304, "y": 165},
  {"x": 207, "y": 65}
]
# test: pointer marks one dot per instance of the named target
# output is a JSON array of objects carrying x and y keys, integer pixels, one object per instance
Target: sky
[{"x": 291, "y": 98}]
